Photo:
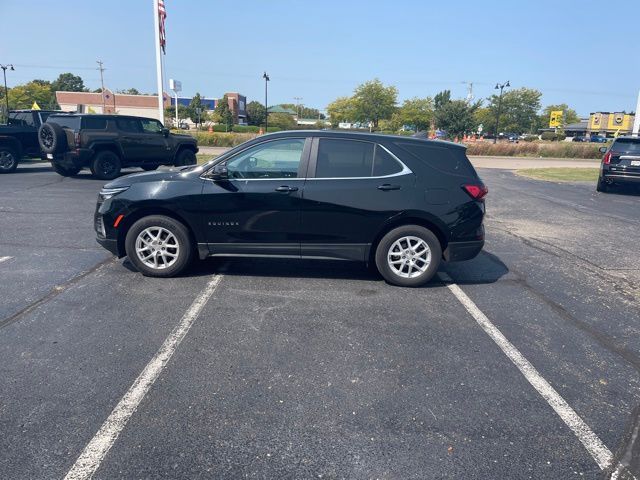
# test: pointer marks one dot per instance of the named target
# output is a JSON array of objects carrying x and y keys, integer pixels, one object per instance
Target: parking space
[{"x": 320, "y": 370}]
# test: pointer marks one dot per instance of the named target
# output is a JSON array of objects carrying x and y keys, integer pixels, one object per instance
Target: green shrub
[
  {"x": 218, "y": 139},
  {"x": 534, "y": 149}
]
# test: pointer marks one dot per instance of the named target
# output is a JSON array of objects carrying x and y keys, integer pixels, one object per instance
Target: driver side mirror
[
  {"x": 165, "y": 132},
  {"x": 602, "y": 149},
  {"x": 219, "y": 172}
]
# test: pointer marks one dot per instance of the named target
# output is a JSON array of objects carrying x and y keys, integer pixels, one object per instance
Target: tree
[
  {"x": 222, "y": 114},
  {"x": 342, "y": 109},
  {"x": 416, "y": 113},
  {"x": 282, "y": 120},
  {"x": 255, "y": 113},
  {"x": 486, "y": 117},
  {"x": 129, "y": 91},
  {"x": 194, "y": 104},
  {"x": 302, "y": 111},
  {"x": 374, "y": 102},
  {"x": 569, "y": 115},
  {"x": 170, "y": 114},
  {"x": 519, "y": 112},
  {"x": 456, "y": 117},
  {"x": 39, "y": 91},
  {"x": 68, "y": 82},
  {"x": 441, "y": 99}
]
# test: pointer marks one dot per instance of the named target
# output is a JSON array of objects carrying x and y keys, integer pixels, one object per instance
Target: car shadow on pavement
[{"x": 485, "y": 268}]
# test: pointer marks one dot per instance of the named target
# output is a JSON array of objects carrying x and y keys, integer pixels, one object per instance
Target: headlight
[{"x": 107, "y": 193}]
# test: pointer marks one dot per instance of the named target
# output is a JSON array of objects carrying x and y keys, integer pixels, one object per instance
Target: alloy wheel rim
[
  {"x": 157, "y": 248},
  {"x": 6, "y": 160},
  {"x": 409, "y": 257}
]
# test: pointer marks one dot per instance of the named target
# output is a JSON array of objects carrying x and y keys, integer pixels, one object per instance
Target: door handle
[
  {"x": 388, "y": 186},
  {"x": 286, "y": 188}
]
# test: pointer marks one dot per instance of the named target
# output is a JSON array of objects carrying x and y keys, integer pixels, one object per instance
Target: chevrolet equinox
[{"x": 401, "y": 204}]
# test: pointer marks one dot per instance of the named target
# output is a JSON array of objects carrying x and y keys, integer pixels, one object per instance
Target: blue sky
[{"x": 322, "y": 50}]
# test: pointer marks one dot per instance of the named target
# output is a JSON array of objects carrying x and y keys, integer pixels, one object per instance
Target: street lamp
[
  {"x": 499, "y": 87},
  {"x": 6, "y": 90},
  {"x": 266, "y": 106}
]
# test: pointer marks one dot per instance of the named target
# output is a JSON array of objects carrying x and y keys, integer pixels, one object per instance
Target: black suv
[
  {"x": 620, "y": 164},
  {"x": 107, "y": 143},
  {"x": 400, "y": 203}
]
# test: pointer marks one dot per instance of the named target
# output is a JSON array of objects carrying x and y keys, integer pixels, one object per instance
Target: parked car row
[
  {"x": 591, "y": 139},
  {"x": 102, "y": 143}
]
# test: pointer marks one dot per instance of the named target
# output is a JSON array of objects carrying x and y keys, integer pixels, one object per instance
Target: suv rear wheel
[
  {"x": 185, "y": 158},
  {"x": 602, "y": 185},
  {"x": 159, "y": 246},
  {"x": 106, "y": 165},
  {"x": 8, "y": 159},
  {"x": 408, "y": 256}
]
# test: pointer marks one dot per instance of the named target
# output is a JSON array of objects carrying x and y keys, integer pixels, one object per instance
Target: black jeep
[{"x": 107, "y": 143}]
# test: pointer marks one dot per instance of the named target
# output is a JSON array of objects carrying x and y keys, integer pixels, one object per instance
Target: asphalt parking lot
[{"x": 302, "y": 369}]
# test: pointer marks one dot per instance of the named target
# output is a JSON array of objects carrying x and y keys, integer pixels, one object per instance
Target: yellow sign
[
  {"x": 35, "y": 106},
  {"x": 90, "y": 110},
  {"x": 555, "y": 119}
]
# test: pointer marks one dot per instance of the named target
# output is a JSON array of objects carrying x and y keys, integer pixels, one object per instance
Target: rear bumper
[
  {"x": 622, "y": 177},
  {"x": 459, "y": 251},
  {"x": 77, "y": 158}
]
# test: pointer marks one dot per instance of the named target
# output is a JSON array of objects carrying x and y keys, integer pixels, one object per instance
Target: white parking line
[
  {"x": 596, "y": 448},
  {"x": 4, "y": 259},
  {"x": 95, "y": 451}
]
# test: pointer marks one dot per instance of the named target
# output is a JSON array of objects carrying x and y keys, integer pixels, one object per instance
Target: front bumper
[
  {"x": 110, "y": 244},
  {"x": 460, "y": 251}
]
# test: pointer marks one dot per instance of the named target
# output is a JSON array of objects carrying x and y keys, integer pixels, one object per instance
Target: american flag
[{"x": 162, "y": 15}]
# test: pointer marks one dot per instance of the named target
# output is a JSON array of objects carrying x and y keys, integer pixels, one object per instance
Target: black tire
[
  {"x": 65, "y": 172},
  {"x": 9, "y": 159},
  {"x": 602, "y": 186},
  {"x": 52, "y": 138},
  {"x": 394, "y": 275},
  {"x": 106, "y": 165},
  {"x": 180, "y": 233},
  {"x": 149, "y": 168},
  {"x": 185, "y": 158}
]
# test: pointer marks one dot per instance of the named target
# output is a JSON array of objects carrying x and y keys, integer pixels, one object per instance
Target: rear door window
[
  {"x": 129, "y": 125},
  {"x": 344, "y": 158},
  {"x": 384, "y": 163}
]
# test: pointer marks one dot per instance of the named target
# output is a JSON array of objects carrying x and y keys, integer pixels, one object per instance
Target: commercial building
[
  {"x": 110, "y": 102},
  {"x": 605, "y": 124},
  {"x": 141, "y": 105}
]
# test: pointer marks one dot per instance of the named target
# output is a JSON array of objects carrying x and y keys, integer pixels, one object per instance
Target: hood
[{"x": 177, "y": 173}]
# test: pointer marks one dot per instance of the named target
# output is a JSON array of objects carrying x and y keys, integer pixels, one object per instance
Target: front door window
[{"x": 270, "y": 160}]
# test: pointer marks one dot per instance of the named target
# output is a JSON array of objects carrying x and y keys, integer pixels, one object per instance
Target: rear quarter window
[
  {"x": 452, "y": 161},
  {"x": 626, "y": 145},
  {"x": 70, "y": 122},
  {"x": 94, "y": 123}
]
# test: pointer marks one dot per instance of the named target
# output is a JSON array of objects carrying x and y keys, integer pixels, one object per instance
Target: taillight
[
  {"x": 477, "y": 192},
  {"x": 607, "y": 158}
]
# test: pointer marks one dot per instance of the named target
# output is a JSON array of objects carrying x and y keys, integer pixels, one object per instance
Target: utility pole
[
  {"x": 297, "y": 99},
  {"x": 499, "y": 87},
  {"x": 469, "y": 91},
  {"x": 6, "y": 90},
  {"x": 636, "y": 120},
  {"x": 266, "y": 104},
  {"x": 102, "y": 69}
]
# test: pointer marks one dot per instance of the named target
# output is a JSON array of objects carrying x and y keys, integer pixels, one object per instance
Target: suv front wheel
[
  {"x": 106, "y": 165},
  {"x": 159, "y": 246},
  {"x": 185, "y": 158},
  {"x": 408, "y": 256}
]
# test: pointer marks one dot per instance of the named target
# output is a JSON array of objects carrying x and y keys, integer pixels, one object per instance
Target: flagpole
[{"x": 159, "y": 72}]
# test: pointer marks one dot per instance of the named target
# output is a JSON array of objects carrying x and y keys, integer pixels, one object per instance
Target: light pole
[
  {"x": 6, "y": 90},
  {"x": 499, "y": 87},
  {"x": 266, "y": 105},
  {"x": 297, "y": 99}
]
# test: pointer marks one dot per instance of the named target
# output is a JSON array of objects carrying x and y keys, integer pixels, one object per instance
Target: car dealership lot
[{"x": 308, "y": 369}]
